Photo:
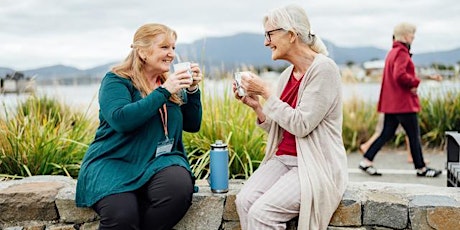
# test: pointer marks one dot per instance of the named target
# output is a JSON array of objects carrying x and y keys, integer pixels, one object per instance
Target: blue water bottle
[{"x": 219, "y": 167}]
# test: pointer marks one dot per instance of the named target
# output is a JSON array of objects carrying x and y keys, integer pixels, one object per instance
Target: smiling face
[
  {"x": 277, "y": 39},
  {"x": 159, "y": 56}
]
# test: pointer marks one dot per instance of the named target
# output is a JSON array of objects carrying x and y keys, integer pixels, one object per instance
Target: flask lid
[{"x": 219, "y": 144}]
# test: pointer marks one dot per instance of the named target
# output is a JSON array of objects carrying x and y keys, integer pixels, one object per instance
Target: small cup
[
  {"x": 239, "y": 89},
  {"x": 184, "y": 65}
]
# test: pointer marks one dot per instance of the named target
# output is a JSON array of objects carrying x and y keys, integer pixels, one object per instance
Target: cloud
[{"x": 87, "y": 33}]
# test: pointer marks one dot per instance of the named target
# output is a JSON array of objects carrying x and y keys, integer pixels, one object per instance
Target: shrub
[
  {"x": 225, "y": 118},
  {"x": 43, "y": 137}
]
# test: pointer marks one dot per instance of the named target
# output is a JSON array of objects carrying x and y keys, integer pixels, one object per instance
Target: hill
[
  {"x": 233, "y": 52},
  {"x": 248, "y": 48}
]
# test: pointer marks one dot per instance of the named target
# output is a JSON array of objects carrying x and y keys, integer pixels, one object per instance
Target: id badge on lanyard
[{"x": 166, "y": 145}]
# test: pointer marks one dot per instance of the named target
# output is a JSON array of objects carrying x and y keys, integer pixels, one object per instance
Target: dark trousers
[
  {"x": 409, "y": 122},
  {"x": 159, "y": 204}
]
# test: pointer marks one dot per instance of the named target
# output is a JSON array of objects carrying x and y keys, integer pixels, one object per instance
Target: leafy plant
[
  {"x": 439, "y": 114},
  {"x": 43, "y": 137},
  {"x": 359, "y": 121},
  {"x": 225, "y": 118}
]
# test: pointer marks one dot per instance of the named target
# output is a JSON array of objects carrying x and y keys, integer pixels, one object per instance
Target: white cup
[
  {"x": 184, "y": 66},
  {"x": 239, "y": 89}
]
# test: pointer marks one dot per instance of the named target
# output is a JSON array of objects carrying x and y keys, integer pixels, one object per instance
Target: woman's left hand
[
  {"x": 254, "y": 85},
  {"x": 251, "y": 101}
]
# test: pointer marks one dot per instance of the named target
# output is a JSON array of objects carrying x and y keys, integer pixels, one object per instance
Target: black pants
[
  {"x": 159, "y": 204},
  {"x": 409, "y": 122}
]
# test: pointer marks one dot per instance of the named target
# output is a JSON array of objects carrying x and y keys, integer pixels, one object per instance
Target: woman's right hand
[
  {"x": 177, "y": 81},
  {"x": 250, "y": 100}
]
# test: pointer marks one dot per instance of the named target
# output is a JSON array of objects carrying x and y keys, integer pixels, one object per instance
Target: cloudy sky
[{"x": 88, "y": 33}]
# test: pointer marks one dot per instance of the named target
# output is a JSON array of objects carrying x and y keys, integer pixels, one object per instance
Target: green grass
[
  {"x": 225, "y": 118},
  {"x": 438, "y": 114},
  {"x": 359, "y": 121},
  {"x": 45, "y": 137}
]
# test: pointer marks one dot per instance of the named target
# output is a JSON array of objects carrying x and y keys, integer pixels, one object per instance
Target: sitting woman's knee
[
  {"x": 257, "y": 212},
  {"x": 123, "y": 219},
  {"x": 242, "y": 200}
]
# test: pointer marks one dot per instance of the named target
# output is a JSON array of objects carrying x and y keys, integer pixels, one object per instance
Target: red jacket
[{"x": 398, "y": 79}]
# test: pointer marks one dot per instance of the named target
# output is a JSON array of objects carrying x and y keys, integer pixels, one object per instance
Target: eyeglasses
[{"x": 269, "y": 33}]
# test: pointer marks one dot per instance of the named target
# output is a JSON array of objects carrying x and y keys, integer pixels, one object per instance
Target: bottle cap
[{"x": 219, "y": 144}]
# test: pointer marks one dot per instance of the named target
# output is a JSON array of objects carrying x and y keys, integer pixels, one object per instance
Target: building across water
[{"x": 17, "y": 83}]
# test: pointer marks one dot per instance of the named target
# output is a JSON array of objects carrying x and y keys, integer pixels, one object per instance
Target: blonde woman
[
  {"x": 135, "y": 174},
  {"x": 304, "y": 171}
]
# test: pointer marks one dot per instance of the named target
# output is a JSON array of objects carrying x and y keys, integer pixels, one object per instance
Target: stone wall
[{"x": 47, "y": 202}]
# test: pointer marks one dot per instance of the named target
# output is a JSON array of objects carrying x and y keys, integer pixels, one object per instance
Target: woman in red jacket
[{"x": 399, "y": 102}]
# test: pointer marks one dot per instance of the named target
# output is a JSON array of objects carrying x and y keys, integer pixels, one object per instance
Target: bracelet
[{"x": 193, "y": 91}]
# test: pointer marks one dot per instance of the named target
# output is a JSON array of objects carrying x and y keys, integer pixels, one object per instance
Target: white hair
[
  {"x": 294, "y": 18},
  {"x": 402, "y": 30}
]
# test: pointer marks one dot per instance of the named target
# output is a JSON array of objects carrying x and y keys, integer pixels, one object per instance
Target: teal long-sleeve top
[{"x": 121, "y": 157}]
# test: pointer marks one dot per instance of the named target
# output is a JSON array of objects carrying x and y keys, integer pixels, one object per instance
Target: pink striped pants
[{"x": 271, "y": 196}]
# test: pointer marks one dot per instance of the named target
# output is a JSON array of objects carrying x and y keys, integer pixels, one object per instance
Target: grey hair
[
  {"x": 294, "y": 18},
  {"x": 403, "y": 29}
]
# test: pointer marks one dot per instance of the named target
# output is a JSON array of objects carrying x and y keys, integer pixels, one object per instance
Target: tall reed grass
[
  {"x": 359, "y": 122},
  {"x": 438, "y": 114},
  {"x": 43, "y": 137},
  {"x": 225, "y": 118}
]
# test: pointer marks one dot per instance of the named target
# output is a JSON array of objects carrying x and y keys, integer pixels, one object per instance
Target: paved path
[{"x": 392, "y": 163}]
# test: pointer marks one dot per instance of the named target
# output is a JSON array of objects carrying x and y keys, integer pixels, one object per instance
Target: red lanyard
[{"x": 164, "y": 120}]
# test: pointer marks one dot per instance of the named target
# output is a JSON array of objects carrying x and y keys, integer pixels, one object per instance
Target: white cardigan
[{"x": 316, "y": 123}]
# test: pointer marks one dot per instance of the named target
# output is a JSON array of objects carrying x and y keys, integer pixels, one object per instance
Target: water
[
  {"x": 78, "y": 97},
  {"x": 371, "y": 91},
  {"x": 85, "y": 96}
]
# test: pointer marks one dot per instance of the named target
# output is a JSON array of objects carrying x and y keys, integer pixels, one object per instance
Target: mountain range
[{"x": 237, "y": 51}]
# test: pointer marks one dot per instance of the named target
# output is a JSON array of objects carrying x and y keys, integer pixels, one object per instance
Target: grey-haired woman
[{"x": 304, "y": 171}]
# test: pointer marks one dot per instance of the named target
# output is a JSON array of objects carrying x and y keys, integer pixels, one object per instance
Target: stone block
[
  {"x": 29, "y": 202},
  {"x": 68, "y": 181},
  {"x": 349, "y": 211},
  {"x": 230, "y": 213},
  {"x": 90, "y": 226},
  {"x": 35, "y": 227},
  {"x": 14, "y": 228},
  {"x": 205, "y": 213},
  {"x": 68, "y": 211},
  {"x": 443, "y": 218},
  {"x": 231, "y": 225},
  {"x": 370, "y": 205},
  {"x": 434, "y": 211},
  {"x": 417, "y": 218},
  {"x": 61, "y": 227},
  {"x": 385, "y": 210}
]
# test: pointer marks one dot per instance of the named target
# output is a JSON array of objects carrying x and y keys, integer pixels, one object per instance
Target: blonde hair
[
  {"x": 402, "y": 30},
  {"x": 133, "y": 66},
  {"x": 294, "y": 18}
]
